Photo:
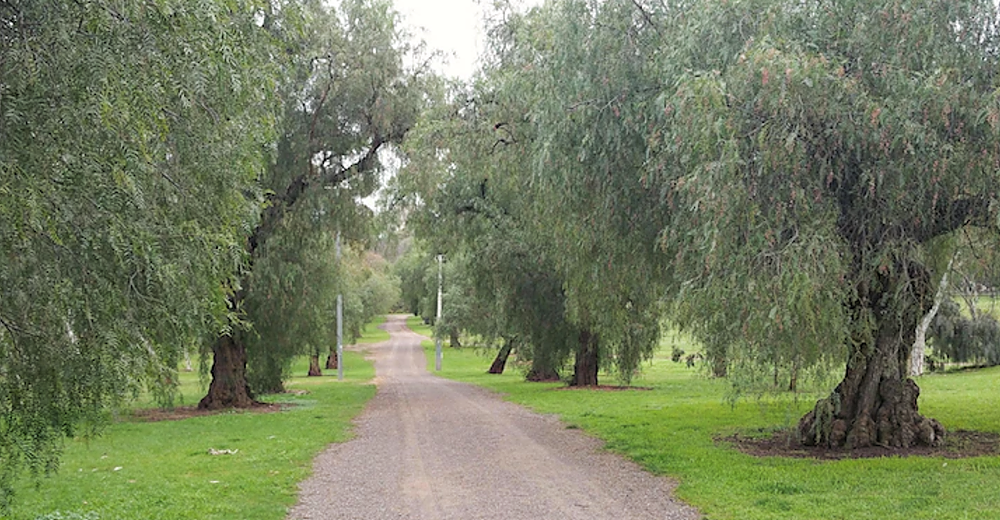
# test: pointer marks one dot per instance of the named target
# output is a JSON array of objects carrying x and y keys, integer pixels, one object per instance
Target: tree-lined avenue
[{"x": 432, "y": 448}]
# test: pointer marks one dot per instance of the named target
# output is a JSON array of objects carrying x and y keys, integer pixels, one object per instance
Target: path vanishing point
[{"x": 432, "y": 449}]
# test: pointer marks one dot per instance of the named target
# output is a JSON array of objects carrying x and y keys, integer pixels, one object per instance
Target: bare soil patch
[
  {"x": 958, "y": 444},
  {"x": 186, "y": 412}
]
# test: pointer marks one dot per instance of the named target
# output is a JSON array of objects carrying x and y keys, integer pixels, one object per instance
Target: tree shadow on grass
[{"x": 180, "y": 413}]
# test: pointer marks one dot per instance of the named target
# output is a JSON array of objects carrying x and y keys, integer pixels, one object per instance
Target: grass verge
[
  {"x": 672, "y": 428},
  {"x": 163, "y": 470},
  {"x": 372, "y": 334},
  {"x": 416, "y": 324}
]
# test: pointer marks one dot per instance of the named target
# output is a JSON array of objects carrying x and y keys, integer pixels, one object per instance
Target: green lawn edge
[
  {"x": 372, "y": 333},
  {"x": 164, "y": 470},
  {"x": 674, "y": 429}
]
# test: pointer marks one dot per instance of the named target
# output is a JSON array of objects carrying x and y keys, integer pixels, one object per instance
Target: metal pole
[
  {"x": 340, "y": 322},
  {"x": 437, "y": 341}
]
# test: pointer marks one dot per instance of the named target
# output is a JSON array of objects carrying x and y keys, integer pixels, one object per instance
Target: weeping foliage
[
  {"x": 348, "y": 97},
  {"x": 770, "y": 170},
  {"x": 131, "y": 137},
  {"x": 500, "y": 282},
  {"x": 294, "y": 283},
  {"x": 963, "y": 339},
  {"x": 537, "y": 170},
  {"x": 813, "y": 156}
]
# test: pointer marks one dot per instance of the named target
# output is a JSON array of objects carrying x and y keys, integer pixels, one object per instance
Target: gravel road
[{"x": 433, "y": 449}]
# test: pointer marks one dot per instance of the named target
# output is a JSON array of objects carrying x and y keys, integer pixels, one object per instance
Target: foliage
[
  {"x": 296, "y": 281},
  {"x": 292, "y": 304},
  {"x": 572, "y": 261},
  {"x": 965, "y": 340},
  {"x": 351, "y": 95},
  {"x": 371, "y": 291},
  {"x": 678, "y": 427},
  {"x": 816, "y": 163},
  {"x": 767, "y": 165},
  {"x": 167, "y": 473},
  {"x": 131, "y": 138},
  {"x": 411, "y": 269}
]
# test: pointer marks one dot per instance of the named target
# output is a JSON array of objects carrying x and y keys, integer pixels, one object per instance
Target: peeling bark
[{"x": 920, "y": 343}]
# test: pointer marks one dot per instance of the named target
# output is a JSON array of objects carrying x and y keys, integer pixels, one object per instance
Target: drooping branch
[
  {"x": 646, "y": 16},
  {"x": 954, "y": 215}
]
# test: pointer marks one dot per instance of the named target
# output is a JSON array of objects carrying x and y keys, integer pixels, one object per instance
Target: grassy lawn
[
  {"x": 671, "y": 430},
  {"x": 372, "y": 334},
  {"x": 163, "y": 470},
  {"x": 416, "y": 324},
  {"x": 984, "y": 304}
]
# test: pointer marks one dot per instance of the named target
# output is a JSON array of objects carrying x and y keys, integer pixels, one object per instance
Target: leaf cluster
[{"x": 131, "y": 139}]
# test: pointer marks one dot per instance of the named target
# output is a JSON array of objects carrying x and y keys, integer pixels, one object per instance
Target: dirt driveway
[{"x": 432, "y": 449}]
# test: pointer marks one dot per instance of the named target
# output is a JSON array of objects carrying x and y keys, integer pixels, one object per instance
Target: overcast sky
[{"x": 452, "y": 26}]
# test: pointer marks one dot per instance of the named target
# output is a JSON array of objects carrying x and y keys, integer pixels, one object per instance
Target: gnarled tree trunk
[
  {"x": 331, "y": 359},
  {"x": 229, "y": 388},
  {"x": 454, "y": 339},
  {"x": 586, "y": 365},
  {"x": 876, "y": 404},
  {"x": 500, "y": 362}
]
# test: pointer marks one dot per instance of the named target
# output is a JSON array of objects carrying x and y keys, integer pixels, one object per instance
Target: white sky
[{"x": 452, "y": 26}]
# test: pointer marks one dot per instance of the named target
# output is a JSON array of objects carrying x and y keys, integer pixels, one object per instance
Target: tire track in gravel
[{"x": 427, "y": 448}]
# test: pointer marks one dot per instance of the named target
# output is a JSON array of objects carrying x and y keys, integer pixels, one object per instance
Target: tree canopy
[
  {"x": 131, "y": 139},
  {"x": 770, "y": 170},
  {"x": 351, "y": 97}
]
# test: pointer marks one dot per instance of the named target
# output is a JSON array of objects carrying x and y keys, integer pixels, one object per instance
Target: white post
[
  {"x": 437, "y": 340},
  {"x": 340, "y": 322}
]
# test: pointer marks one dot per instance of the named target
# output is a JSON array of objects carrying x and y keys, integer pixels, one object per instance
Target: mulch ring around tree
[
  {"x": 179, "y": 413},
  {"x": 958, "y": 444}
]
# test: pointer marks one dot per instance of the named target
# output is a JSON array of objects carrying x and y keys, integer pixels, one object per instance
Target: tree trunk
[
  {"x": 228, "y": 388},
  {"x": 920, "y": 344},
  {"x": 587, "y": 360},
  {"x": 454, "y": 339},
  {"x": 500, "y": 362},
  {"x": 875, "y": 404},
  {"x": 717, "y": 361},
  {"x": 541, "y": 374},
  {"x": 331, "y": 359},
  {"x": 314, "y": 370}
]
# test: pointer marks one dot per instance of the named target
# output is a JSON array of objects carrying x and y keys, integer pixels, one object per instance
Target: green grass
[
  {"x": 416, "y": 324},
  {"x": 163, "y": 470},
  {"x": 372, "y": 334},
  {"x": 985, "y": 304},
  {"x": 670, "y": 430}
]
